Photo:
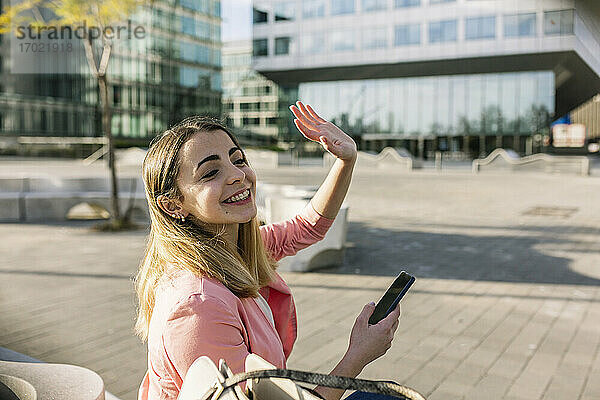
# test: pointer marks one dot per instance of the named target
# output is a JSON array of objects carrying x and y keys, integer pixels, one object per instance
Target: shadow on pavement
[{"x": 376, "y": 251}]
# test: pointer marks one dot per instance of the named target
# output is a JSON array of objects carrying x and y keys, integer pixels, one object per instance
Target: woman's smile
[{"x": 240, "y": 198}]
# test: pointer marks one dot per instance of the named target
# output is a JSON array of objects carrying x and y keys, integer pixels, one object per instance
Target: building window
[
  {"x": 374, "y": 5},
  {"x": 519, "y": 25},
  {"x": 406, "y": 3},
  {"x": 282, "y": 45},
  {"x": 339, "y": 7},
  {"x": 285, "y": 11},
  {"x": 558, "y": 22},
  {"x": 442, "y": 31},
  {"x": 480, "y": 28},
  {"x": 313, "y": 8},
  {"x": 313, "y": 44},
  {"x": 441, "y": 1},
  {"x": 260, "y": 47},
  {"x": 342, "y": 40},
  {"x": 259, "y": 16},
  {"x": 407, "y": 34},
  {"x": 375, "y": 38}
]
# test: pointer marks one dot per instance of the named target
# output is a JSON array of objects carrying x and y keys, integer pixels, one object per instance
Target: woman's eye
[
  {"x": 241, "y": 161},
  {"x": 211, "y": 174}
]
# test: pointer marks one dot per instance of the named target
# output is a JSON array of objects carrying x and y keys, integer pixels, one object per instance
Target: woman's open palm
[{"x": 315, "y": 128}]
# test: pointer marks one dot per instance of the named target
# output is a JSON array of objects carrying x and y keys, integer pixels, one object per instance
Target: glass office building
[
  {"x": 451, "y": 75},
  {"x": 250, "y": 101},
  {"x": 173, "y": 72},
  {"x": 511, "y": 106}
]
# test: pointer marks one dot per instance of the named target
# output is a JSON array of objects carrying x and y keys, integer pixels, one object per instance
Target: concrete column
[{"x": 481, "y": 145}]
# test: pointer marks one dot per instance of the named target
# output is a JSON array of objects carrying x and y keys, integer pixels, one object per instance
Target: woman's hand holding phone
[{"x": 369, "y": 342}]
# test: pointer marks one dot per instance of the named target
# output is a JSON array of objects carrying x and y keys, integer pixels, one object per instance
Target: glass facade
[
  {"x": 407, "y": 34},
  {"x": 173, "y": 72},
  {"x": 260, "y": 47},
  {"x": 313, "y": 43},
  {"x": 483, "y": 104},
  {"x": 285, "y": 11},
  {"x": 374, "y": 38},
  {"x": 339, "y": 7},
  {"x": 520, "y": 25},
  {"x": 282, "y": 45},
  {"x": 480, "y": 28},
  {"x": 442, "y": 31},
  {"x": 374, "y": 5},
  {"x": 343, "y": 40},
  {"x": 559, "y": 22},
  {"x": 250, "y": 101},
  {"x": 313, "y": 8},
  {"x": 406, "y": 3}
]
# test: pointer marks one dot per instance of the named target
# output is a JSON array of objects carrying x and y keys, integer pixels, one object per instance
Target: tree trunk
[{"x": 106, "y": 127}]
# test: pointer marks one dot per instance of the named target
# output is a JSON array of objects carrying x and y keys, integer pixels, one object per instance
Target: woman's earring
[{"x": 182, "y": 218}]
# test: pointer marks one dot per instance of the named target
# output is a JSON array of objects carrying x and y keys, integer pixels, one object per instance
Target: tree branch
[
  {"x": 105, "y": 57},
  {"x": 89, "y": 55}
]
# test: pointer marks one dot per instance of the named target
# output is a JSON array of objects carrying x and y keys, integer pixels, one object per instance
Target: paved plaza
[{"x": 506, "y": 303}]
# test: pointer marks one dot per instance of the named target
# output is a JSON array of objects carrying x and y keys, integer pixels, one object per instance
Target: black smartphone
[{"x": 392, "y": 297}]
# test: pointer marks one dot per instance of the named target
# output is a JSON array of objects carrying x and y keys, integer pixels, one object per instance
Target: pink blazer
[{"x": 196, "y": 316}]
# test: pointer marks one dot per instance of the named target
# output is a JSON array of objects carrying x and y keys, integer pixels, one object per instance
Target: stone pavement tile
[
  {"x": 490, "y": 319},
  {"x": 509, "y": 365},
  {"x": 483, "y": 358},
  {"x": 459, "y": 348},
  {"x": 442, "y": 395},
  {"x": 456, "y": 390},
  {"x": 475, "y": 308},
  {"x": 591, "y": 389},
  {"x": 563, "y": 387},
  {"x": 544, "y": 363},
  {"x": 466, "y": 373},
  {"x": 427, "y": 379},
  {"x": 489, "y": 387},
  {"x": 533, "y": 381}
]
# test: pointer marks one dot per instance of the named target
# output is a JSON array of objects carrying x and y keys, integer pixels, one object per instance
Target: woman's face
[{"x": 217, "y": 184}]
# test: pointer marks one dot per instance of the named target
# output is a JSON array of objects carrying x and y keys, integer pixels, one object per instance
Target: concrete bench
[
  {"x": 508, "y": 160},
  {"x": 388, "y": 157},
  {"x": 23, "y": 377},
  {"x": 36, "y": 199},
  {"x": 329, "y": 252}
]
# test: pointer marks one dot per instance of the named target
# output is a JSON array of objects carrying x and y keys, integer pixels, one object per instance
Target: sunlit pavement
[{"x": 506, "y": 303}]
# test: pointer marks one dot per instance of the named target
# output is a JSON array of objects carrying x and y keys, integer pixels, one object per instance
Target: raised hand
[{"x": 315, "y": 128}]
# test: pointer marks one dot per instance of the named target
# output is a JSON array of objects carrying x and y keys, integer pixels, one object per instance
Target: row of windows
[
  {"x": 189, "y": 25},
  {"x": 241, "y": 90},
  {"x": 483, "y": 27},
  {"x": 41, "y": 121},
  {"x": 252, "y": 106},
  {"x": 241, "y": 60},
  {"x": 158, "y": 73},
  {"x": 28, "y": 120},
  {"x": 155, "y": 96},
  {"x": 212, "y": 7},
  {"x": 287, "y": 10}
]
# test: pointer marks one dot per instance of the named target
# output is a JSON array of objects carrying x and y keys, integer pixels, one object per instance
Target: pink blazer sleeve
[
  {"x": 204, "y": 326},
  {"x": 288, "y": 237}
]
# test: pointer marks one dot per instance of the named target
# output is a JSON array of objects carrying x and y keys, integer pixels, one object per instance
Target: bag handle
[{"x": 332, "y": 381}]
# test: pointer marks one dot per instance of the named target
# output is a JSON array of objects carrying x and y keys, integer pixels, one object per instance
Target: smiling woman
[{"x": 207, "y": 285}]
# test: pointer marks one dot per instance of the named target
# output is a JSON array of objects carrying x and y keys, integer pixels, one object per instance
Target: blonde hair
[{"x": 186, "y": 245}]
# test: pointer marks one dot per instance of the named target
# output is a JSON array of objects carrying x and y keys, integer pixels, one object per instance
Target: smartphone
[{"x": 392, "y": 297}]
